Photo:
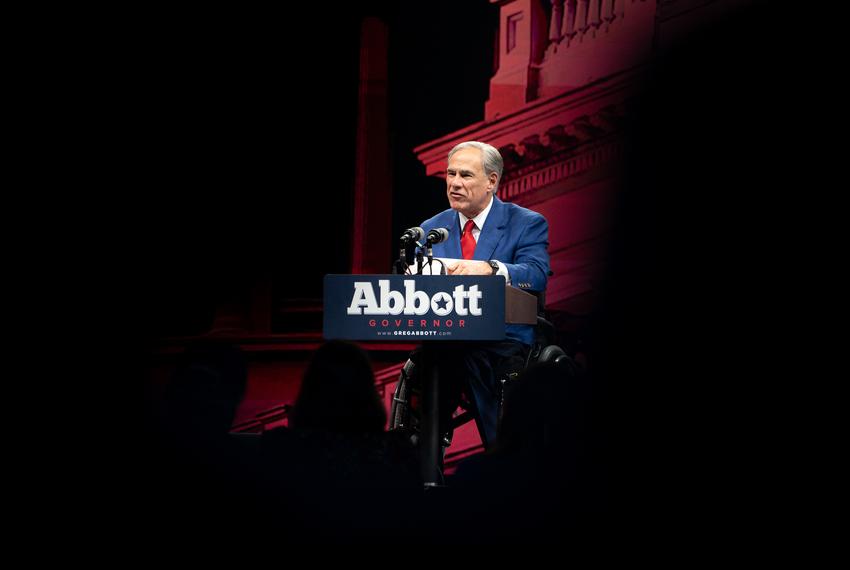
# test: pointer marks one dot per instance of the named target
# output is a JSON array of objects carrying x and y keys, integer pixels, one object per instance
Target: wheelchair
[{"x": 405, "y": 411}]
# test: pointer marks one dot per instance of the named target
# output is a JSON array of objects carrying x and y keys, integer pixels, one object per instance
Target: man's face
[{"x": 467, "y": 187}]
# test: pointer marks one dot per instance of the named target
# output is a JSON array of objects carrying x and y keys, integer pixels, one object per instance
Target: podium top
[{"x": 432, "y": 307}]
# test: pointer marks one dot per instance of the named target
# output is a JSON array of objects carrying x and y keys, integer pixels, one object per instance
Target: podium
[{"x": 428, "y": 308}]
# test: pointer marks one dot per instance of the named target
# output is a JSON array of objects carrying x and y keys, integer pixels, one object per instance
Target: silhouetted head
[
  {"x": 205, "y": 391},
  {"x": 338, "y": 392}
]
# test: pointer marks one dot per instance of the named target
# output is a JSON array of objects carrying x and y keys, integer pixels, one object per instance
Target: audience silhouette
[
  {"x": 533, "y": 484},
  {"x": 198, "y": 472},
  {"x": 334, "y": 469}
]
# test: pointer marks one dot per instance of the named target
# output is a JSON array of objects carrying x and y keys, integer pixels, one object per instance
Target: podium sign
[{"x": 411, "y": 308}]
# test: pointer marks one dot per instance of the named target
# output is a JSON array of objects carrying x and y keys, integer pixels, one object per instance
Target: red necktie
[{"x": 467, "y": 242}]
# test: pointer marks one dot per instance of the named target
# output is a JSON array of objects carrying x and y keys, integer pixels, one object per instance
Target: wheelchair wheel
[
  {"x": 556, "y": 354},
  {"x": 551, "y": 353},
  {"x": 404, "y": 412}
]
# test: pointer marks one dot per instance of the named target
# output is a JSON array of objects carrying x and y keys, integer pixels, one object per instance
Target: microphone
[
  {"x": 437, "y": 235},
  {"x": 412, "y": 234}
]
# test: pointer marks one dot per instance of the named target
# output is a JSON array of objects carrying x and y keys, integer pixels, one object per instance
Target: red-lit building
[{"x": 565, "y": 73}]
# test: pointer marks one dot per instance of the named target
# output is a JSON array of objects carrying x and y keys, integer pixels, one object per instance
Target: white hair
[{"x": 490, "y": 157}]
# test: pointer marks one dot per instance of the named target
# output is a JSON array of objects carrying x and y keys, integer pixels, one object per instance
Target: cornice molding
[
  {"x": 529, "y": 178},
  {"x": 543, "y": 128}
]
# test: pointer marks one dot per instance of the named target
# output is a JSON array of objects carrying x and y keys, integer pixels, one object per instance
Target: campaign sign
[{"x": 414, "y": 307}]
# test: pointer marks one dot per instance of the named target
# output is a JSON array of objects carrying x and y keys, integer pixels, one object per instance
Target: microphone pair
[{"x": 416, "y": 234}]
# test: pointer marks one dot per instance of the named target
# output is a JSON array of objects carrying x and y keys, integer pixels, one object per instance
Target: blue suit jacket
[{"x": 514, "y": 235}]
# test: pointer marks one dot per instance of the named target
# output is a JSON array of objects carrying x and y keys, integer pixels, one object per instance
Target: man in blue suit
[{"x": 486, "y": 237}]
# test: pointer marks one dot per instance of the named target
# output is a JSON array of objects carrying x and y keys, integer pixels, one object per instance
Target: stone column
[
  {"x": 370, "y": 236},
  {"x": 568, "y": 26},
  {"x": 581, "y": 18},
  {"x": 593, "y": 14},
  {"x": 555, "y": 24}
]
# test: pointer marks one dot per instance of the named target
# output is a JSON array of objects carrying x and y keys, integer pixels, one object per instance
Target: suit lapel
[
  {"x": 491, "y": 233},
  {"x": 453, "y": 245}
]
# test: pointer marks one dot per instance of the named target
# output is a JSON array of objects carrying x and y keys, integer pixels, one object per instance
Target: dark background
[
  {"x": 237, "y": 143},
  {"x": 207, "y": 139}
]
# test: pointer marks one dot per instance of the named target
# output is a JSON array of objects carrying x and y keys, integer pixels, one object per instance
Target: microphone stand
[
  {"x": 400, "y": 264},
  {"x": 419, "y": 258},
  {"x": 430, "y": 253}
]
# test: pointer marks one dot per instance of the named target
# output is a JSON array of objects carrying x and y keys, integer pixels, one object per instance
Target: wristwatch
[{"x": 495, "y": 265}]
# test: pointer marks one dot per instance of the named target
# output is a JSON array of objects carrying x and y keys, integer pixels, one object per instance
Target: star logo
[{"x": 442, "y": 302}]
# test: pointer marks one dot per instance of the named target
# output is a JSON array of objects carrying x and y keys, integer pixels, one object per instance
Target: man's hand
[{"x": 468, "y": 267}]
